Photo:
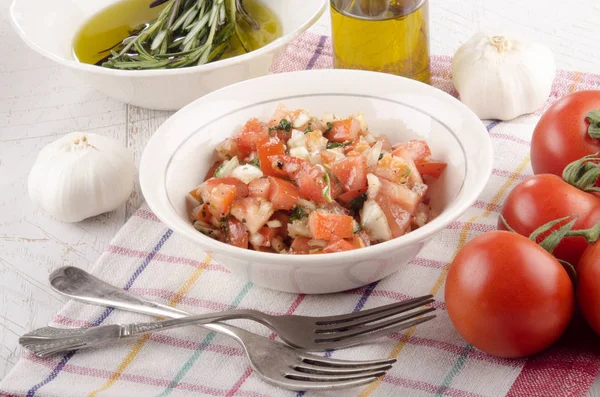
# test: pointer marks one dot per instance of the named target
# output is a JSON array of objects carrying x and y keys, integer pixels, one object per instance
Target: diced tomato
[
  {"x": 338, "y": 245},
  {"x": 397, "y": 169},
  {"x": 324, "y": 226},
  {"x": 432, "y": 168},
  {"x": 259, "y": 187},
  {"x": 201, "y": 213},
  {"x": 300, "y": 245},
  {"x": 335, "y": 208},
  {"x": 283, "y": 194},
  {"x": 418, "y": 150},
  {"x": 250, "y": 135},
  {"x": 351, "y": 172},
  {"x": 309, "y": 178},
  {"x": 336, "y": 187},
  {"x": 236, "y": 234},
  {"x": 284, "y": 218},
  {"x": 315, "y": 140},
  {"x": 361, "y": 239},
  {"x": 219, "y": 200},
  {"x": 327, "y": 156},
  {"x": 268, "y": 235},
  {"x": 346, "y": 198},
  {"x": 398, "y": 219},
  {"x": 241, "y": 187},
  {"x": 211, "y": 171},
  {"x": 196, "y": 194},
  {"x": 356, "y": 149},
  {"x": 344, "y": 130},
  {"x": 270, "y": 146},
  {"x": 252, "y": 212},
  {"x": 400, "y": 194},
  {"x": 413, "y": 173}
]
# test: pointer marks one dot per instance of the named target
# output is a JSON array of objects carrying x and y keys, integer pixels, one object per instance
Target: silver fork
[{"x": 303, "y": 332}]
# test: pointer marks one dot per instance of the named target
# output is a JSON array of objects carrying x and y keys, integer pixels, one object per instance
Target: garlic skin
[
  {"x": 81, "y": 175},
  {"x": 501, "y": 77}
]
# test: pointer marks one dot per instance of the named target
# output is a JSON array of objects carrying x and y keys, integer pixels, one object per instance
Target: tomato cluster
[{"x": 512, "y": 292}]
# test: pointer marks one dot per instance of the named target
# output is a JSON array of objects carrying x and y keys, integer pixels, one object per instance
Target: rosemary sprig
[{"x": 185, "y": 33}]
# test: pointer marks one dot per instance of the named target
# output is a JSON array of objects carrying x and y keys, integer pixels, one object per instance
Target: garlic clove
[
  {"x": 502, "y": 77},
  {"x": 81, "y": 175}
]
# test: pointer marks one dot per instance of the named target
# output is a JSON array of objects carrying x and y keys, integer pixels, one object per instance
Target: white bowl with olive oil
[{"x": 73, "y": 32}]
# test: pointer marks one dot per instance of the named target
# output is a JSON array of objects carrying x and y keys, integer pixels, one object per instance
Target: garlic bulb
[
  {"x": 500, "y": 77},
  {"x": 81, "y": 175}
]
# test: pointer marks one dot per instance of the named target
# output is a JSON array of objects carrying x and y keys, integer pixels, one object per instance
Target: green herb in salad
[
  {"x": 308, "y": 128},
  {"x": 333, "y": 145},
  {"x": 297, "y": 213},
  {"x": 357, "y": 202},
  {"x": 255, "y": 162},
  {"x": 327, "y": 188},
  {"x": 283, "y": 125}
]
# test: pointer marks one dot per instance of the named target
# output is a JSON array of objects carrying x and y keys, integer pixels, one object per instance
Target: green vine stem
[
  {"x": 584, "y": 173},
  {"x": 594, "y": 119}
]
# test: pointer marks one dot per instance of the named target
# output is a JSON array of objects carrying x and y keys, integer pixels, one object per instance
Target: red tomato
[
  {"x": 252, "y": 212},
  {"x": 219, "y": 200},
  {"x": 361, "y": 239},
  {"x": 588, "y": 288},
  {"x": 432, "y": 168},
  {"x": 236, "y": 234},
  {"x": 242, "y": 188},
  {"x": 269, "y": 147},
  {"x": 344, "y": 130},
  {"x": 561, "y": 136},
  {"x": 284, "y": 218},
  {"x": 400, "y": 194},
  {"x": 397, "y": 169},
  {"x": 201, "y": 213},
  {"x": 543, "y": 198},
  {"x": 338, "y": 245},
  {"x": 324, "y": 226},
  {"x": 417, "y": 150},
  {"x": 507, "y": 296},
  {"x": 250, "y": 135},
  {"x": 309, "y": 178},
  {"x": 283, "y": 194},
  {"x": 397, "y": 218},
  {"x": 351, "y": 172},
  {"x": 346, "y": 198},
  {"x": 300, "y": 245},
  {"x": 259, "y": 187}
]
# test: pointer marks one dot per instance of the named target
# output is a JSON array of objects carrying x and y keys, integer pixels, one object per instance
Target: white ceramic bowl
[
  {"x": 49, "y": 26},
  {"x": 182, "y": 149}
]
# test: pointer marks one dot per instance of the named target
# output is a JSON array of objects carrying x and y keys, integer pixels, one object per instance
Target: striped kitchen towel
[{"x": 146, "y": 258}]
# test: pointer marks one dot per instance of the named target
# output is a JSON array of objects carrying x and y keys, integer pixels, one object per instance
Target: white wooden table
[{"x": 40, "y": 101}]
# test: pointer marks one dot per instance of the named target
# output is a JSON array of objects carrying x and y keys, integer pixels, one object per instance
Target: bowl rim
[
  {"x": 71, "y": 63},
  {"x": 406, "y": 240}
]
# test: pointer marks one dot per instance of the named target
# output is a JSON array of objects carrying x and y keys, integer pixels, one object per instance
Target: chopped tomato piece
[
  {"x": 397, "y": 169},
  {"x": 344, "y": 130},
  {"x": 241, "y": 187},
  {"x": 236, "y": 234},
  {"x": 351, "y": 172},
  {"x": 398, "y": 219},
  {"x": 361, "y": 239},
  {"x": 219, "y": 200},
  {"x": 335, "y": 208},
  {"x": 309, "y": 178},
  {"x": 432, "y": 168},
  {"x": 268, "y": 235},
  {"x": 324, "y": 226},
  {"x": 284, "y": 218},
  {"x": 196, "y": 194},
  {"x": 250, "y": 135},
  {"x": 400, "y": 194},
  {"x": 259, "y": 187},
  {"x": 283, "y": 135},
  {"x": 336, "y": 187},
  {"x": 283, "y": 194},
  {"x": 201, "y": 213},
  {"x": 413, "y": 173},
  {"x": 270, "y": 146},
  {"x": 346, "y": 198},
  {"x": 300, "y": 245},
  {"x": 211, "y": 171},
  {"x": 418, "y": 150},
  {"x": 327, "y": 156},
  {"x": 385, "y": 142},
  {"x": 252, "y": 212},
  {"x": 338, "y": 245}
]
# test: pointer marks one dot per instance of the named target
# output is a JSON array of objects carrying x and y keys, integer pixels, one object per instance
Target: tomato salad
[{"x": 302, "y": 185}]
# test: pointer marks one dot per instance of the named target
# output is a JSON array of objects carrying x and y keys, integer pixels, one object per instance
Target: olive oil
[
  {"x": 111, "y": 25},
  {"x": 390, "y": 36}
]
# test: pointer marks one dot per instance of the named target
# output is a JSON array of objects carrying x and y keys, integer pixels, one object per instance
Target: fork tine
[
  {"x": 327, "y": 370},
  {"x": 392, "y": 311},
  {"x": 335, "y": 336},
  {"x": 331, "y": 362},
  {"x": 332, "y": 378},
  {"x": 359, "y": 339},
  {"x": 305, "y": 386},
  {"x": 363, "y": 313}
]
